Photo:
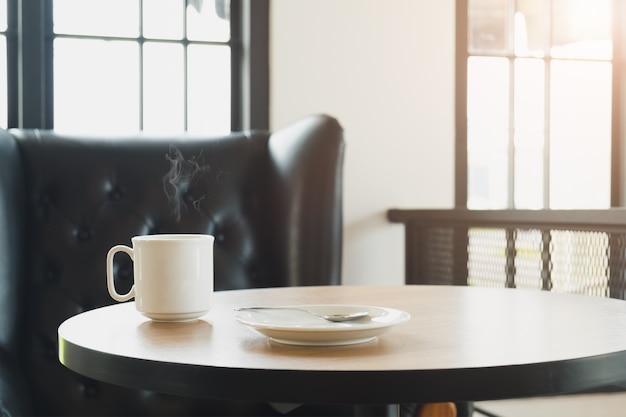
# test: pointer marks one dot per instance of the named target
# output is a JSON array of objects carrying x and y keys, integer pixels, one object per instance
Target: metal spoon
[{"x": 354, "y": 315}]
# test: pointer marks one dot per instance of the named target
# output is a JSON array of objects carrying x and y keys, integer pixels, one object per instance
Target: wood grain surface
[{"x": 462, "y": 343}]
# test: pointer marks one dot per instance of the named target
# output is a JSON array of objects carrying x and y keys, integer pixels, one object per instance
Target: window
[
  {"x": 536, "y": 80},
  {"x": 162, "y": 66}
]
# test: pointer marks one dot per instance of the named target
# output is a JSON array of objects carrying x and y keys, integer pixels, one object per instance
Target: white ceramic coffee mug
[{"x": 173, "y": 275}]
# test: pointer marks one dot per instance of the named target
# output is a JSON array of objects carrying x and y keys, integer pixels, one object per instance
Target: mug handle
[{"x": 110, "y": 281}]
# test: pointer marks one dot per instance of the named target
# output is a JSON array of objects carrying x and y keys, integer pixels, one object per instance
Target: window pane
[
  {"x": 96, "y": 85},
  {"x": 487, "y": 26},
  {"x": 559, "y": 152},
  {"x": 177, "y": 85},
  {"x": 163, "y": 89},
  {"x": 529, "y": 133},
  {"x": 530, "y": 28},
  {"x": 96, "y": 17},
  {"x": 163, "y": 19},
  {"x": 487, "y": 132},
  {"x": 582, "y": 29},
  {"x": 580, "y": 135},
  {"x": 3, "y": 15},
  {"x": 209, "y": 89},
  {"x": 208, "y": 20}
]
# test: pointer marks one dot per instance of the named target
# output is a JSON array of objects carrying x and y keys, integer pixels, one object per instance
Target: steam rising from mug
[{"x": 181, "y": 175}]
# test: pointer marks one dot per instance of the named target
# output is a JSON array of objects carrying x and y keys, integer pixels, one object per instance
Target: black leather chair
[{"x": 272, "y": 201}]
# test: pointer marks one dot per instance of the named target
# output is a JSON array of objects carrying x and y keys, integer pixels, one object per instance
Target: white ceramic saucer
[{"x": 294, "y": 327}]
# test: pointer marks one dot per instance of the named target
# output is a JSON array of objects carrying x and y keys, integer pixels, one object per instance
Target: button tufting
[
  {"x": 90, "y": 389},
  {"x": 44, "y": 199},
  {"x": 82, "y": 233},
  {"x": 116, "y": 193},
  {"x": 51, "y": 354},
  {"x": 51, "y": 276}
]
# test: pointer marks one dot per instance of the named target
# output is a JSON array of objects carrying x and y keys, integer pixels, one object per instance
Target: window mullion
[
  {"x": 546, "y": 136},
  {"x": 249, "y": 64},
  {"x": 238, "y": 112},
  {"x": 547, "y": 105},
  {"x": 32, "y": 65},
  {"x": 511, "y": 131},
  {"x": 185, "y": 70},
  {"x": 12, "y": 67},
  {"x": 511, "y": 136},
  {"x": 618, "y": 136},
  {"x": 461, "y": 58},
  {"x": 141, "y": 84}
]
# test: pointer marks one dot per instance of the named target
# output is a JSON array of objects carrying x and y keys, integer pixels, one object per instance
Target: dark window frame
[{"x": 30, "y": 79}]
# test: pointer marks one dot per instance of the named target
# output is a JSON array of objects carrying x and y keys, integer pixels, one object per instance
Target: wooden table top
[{"x": 461, "y": 344}]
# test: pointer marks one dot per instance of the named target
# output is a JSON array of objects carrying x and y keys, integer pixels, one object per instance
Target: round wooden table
[{"x": 461, "y": 344}]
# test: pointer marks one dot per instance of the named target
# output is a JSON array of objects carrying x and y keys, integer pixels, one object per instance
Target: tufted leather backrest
[{"x": 273, "y": 203}]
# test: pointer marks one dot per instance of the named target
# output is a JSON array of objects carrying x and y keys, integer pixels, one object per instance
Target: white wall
[{"x": 385, "y": 70}]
